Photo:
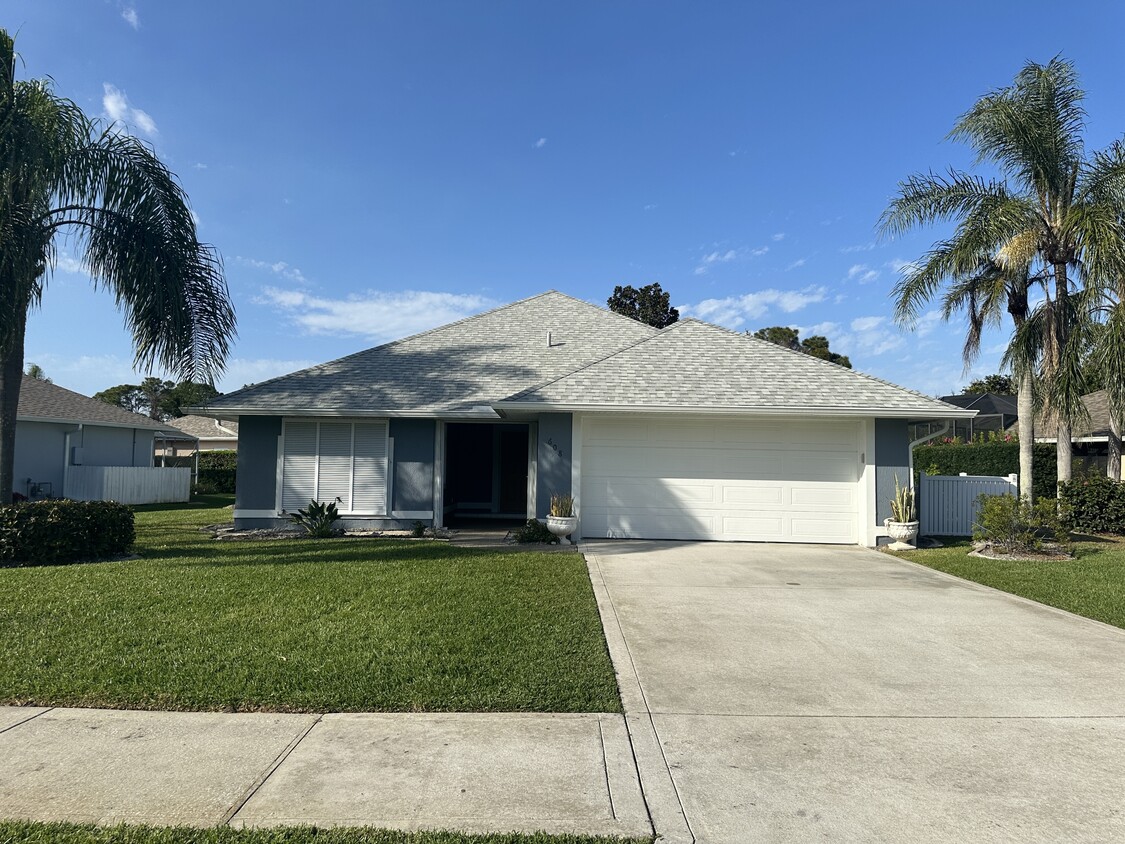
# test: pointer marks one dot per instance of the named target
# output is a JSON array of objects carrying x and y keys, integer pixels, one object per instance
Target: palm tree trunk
[
  {"x": 1025, "y": 406},
  {"x": 1113, "y": 467},
  {"x": 1064, "y": 454},
  {"x": 11, "y": 378}
]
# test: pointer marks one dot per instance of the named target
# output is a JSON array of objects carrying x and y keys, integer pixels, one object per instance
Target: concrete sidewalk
[{"x": 475, "y": 772}]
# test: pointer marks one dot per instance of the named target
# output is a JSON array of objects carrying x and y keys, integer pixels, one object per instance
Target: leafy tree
[
  {"x": 650, "y": 304},
  {"x": 63, "y": 173},
  {"x": 789, "y": 338},
  {"x": 187, "y": 394},
  {"x": 127, "y": 396},
  {"x": 780, "y": 335},
  {"x": 1052, "y": 221},
  {"x": 35, "y": 371},
  {"x": 1001, "y": 385}
]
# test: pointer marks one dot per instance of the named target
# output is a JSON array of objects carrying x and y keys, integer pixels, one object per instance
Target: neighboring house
[
  {"x": 57, "y": 428},
  {"x": 1089, "y": 438},
  {"x": 995, "y": 413},
  {"x": 185, "y": 435},
  {"x": 690, "y": 432}
]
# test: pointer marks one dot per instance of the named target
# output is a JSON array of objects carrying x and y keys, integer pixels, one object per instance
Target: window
[{"x": 323, "y": 460}]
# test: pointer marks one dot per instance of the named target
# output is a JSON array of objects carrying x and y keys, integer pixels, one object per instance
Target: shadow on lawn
[{"x": 279, "y": 552}]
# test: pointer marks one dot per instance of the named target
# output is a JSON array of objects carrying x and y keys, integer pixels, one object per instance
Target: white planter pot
[
  {"x": 903, "y": 533},
  {"x": 562, "y": 527}
]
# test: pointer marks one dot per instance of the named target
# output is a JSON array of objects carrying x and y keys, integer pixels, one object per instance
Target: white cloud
[
  {"x": 131, "y": 18},
  {"x": 276, "y": 267},
  {"x": 116, "y": 108},
  {"x": 902, "y": 267},
  {"x": 375, "y": 315},
  {"x": 716, "y": 257},
  {"x": 199, "y": 165},
  {"x": 926, "y": 323},
  {"x": 822, "y": 328},
  {"x": 650, "y": 206},
  {"x": 242, "y": 371},
  {"x": 778, "y": 236},
  {"x": 734, "y": 311},
  {"x": 862, "y": 273},
  {"x": 867, "y": 323},
  {"x": 542, "y": 142},
  {"x": 860, "y": 247},
  {"x": 800, "y": 262},
  {"x": 68, "y": 264},
  {"x": 761, "y": 250}
]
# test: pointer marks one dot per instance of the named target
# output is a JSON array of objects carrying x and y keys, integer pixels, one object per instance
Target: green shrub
[
  {"x": 534, "y": 531},
  {"x": 1094, "y": 504},
  {"x": 990, "y": 458},
  {"x": 317, "y": 519},
  {"x": 1011, "y": 524},
  {"x": 418, "y": 529},
  {"x": 224, "y": 459},
  {"x": 55, "y": 532}
]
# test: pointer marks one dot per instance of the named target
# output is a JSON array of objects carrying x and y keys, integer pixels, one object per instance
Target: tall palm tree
[
  {"x": 1053, "y": 209},
  {"x": 61, "y": 172}
]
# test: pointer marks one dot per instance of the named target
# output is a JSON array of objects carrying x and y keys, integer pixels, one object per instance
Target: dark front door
[{"x": 512, "y": 460}]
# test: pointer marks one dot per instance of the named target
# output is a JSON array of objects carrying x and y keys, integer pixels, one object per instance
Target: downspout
[
  {"x": 66, "y": 456},
  {"x": 910, "y": 461}
]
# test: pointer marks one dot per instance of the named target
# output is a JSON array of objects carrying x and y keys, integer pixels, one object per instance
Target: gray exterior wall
[
  {"x": 892, "y": 457},
  {"x": 413, "y": 471},
  {"x": 40, "y": 450},
  {"x": 553, "y": 458},
  {"x": 256, "y": 475},
  {"x": 413, "y": 464}
]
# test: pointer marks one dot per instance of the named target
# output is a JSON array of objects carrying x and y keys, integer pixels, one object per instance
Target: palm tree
[
  {"x": 1053, "y": 212},
  {"x": 61, "y": 172}
]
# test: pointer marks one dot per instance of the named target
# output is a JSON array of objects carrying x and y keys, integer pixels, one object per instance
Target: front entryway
[{"x": 486, "y": 473}]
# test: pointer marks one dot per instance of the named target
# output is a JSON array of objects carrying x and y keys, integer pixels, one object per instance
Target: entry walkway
[
  {"x": 471, "y": 772},
  {"x": 796, "y": 693}
]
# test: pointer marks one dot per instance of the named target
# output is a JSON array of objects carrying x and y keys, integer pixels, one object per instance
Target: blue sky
[{"x": 369, "y": 170}]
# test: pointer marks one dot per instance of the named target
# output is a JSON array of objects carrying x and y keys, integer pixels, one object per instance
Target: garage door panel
[{"x": 779, "y": 481}]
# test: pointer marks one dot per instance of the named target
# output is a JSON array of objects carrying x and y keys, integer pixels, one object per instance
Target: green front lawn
[
  {"x": 18, "y": 832},
  {"x": 1092, "y": 585},
  {"x": 304, "y": 625}
]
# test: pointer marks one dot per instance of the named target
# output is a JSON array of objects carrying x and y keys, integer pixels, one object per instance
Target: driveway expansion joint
[
  {"x": 30, "y": 717},
  {"x": 236, "y": 807}
]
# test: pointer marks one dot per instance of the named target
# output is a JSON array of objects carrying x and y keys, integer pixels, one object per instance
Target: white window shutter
[
  {"x": 335, "y": 475},
  {"x": 370, "y": 468},
  {"x": 298, "y": 473}
]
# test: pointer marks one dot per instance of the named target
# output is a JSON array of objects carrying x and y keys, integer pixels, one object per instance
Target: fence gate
[{"x": 947, "y": 504}]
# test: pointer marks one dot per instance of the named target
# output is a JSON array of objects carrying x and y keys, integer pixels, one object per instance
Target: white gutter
[
  {"x": 927, "y": 438},
  {"x": 66, "y": 457}
]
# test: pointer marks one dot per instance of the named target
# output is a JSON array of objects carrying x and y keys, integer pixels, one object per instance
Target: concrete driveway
[{"x": 813, "y": 693}]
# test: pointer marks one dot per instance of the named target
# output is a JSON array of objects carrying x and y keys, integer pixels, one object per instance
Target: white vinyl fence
[
  {"x": 128, "y": 484},
  {"x": 947, "y": 504}
]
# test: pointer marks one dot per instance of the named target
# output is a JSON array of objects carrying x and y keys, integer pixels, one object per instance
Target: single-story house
[
  {"x": 57, "y": 428},
  {"x": 1089, "y": 438},
  {"x": 185, "y": 435},
  {"x": 689, "y": 432},
  {"x": 995, "y": 413}
]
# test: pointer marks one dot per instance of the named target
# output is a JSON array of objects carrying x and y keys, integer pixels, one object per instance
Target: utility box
[{"x": 77, "y": 455}]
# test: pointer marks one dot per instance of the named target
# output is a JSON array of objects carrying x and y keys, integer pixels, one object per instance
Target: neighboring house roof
[
  {"x": 451, "y": 369},
  {"x": 987, "y": 404},
  {"x": 1095, "y": 428},
  {"x": 42, "y": 401},
  {"x": 692, "y": 365},
  {"x": 205, "y": 428},
  {"x": 594, "y": 359}
]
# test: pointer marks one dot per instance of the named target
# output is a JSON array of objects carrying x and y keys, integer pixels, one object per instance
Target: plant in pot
[
  {"x": 561, "y": 520},
  {"x": 903, "y": 523}
]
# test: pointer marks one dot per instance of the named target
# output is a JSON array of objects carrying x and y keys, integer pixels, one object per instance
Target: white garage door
[{"x": 763, "y": 480}]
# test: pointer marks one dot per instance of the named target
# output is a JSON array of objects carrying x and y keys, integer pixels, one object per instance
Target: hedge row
[
  {"x": 1094, "y": 504},
  {"x": 216, "y": 471},
  {"x": 990, "y": 458},
  {"x": 54, "y": 532}
]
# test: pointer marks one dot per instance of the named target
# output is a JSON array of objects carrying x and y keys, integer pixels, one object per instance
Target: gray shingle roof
[
  {"x": 456, "y": 367},
  {"x": 204, "y": 427},
  {"x": 695, "y": 365},
  {"x": 41, "y": 400},
  {"x": 596, "y": 359}
]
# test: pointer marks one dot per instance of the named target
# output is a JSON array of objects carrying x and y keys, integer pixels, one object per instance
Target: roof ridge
[
  {"x": 658, "y": 332},
  {"x": 605, "y": 310},
  {"x": 807, "y": 356}
]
